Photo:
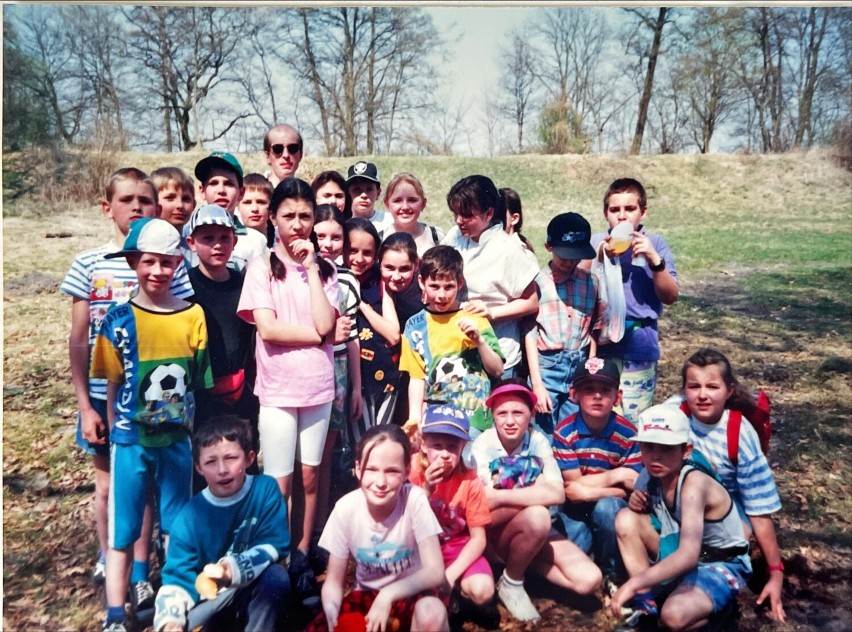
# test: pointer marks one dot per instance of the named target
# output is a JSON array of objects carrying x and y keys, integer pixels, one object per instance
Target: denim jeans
[
  {"x": 557, "y": 370},
  {"x": 255, "y": 606},
  {"x": 591, "y": 526}
]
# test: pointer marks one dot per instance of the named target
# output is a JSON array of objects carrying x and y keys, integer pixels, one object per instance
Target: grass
[{"x": 763, "y": 246}]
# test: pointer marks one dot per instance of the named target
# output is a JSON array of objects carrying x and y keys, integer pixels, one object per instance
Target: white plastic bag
[{"x": 608, "y": 273}]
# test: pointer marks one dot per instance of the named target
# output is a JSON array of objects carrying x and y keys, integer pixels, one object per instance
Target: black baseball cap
[
  {"x": 598, "y": 370},
  {"x": 569, "y": 236},
  {"x": 363, "y": 169}
]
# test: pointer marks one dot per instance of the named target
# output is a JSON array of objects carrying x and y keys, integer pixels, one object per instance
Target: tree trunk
[
  {"x": 649, "y": 83},
  {"x": 814, "y": 43}
]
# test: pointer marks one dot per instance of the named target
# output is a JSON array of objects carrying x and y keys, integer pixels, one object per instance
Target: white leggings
[{"x": 287, "y": 434}]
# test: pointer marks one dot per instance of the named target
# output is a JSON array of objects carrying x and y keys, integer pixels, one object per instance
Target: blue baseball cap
[
  {"x": 150, "y": 234},
  {"x": 446, "y": 419},
  {"x": 210, "y": 215}
]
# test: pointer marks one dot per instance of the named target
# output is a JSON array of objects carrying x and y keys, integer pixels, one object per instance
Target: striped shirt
[
  {"x": 350, "y": 298},
  {"x": 567, "y": 310},
  {"x": 751, "y": 482},
  {"x": 577, "y": 447},
  {"x": 104, "y": 283}
]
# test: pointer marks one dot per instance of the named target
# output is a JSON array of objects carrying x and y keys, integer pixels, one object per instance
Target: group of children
[{"x": 489, "y": 426}]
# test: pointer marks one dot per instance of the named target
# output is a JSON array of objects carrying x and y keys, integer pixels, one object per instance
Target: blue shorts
[
  {"x": 720, "y": 581},
  {"x": 134, "y": 470},
  {"x": 100, "y": 449}
]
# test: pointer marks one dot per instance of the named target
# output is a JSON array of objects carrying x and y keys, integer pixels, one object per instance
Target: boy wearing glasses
[
  {"x": 283, "y": 148},
  {"x": 220, "y": 178}
]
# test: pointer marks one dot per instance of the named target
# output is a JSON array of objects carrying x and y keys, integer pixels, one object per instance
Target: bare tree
[
  {"x": 811, "y": 28},
  {"x": 762, "y": 73},
  {"x": 95, "y": 37},
  {"x": 188, "y": 51},
  {"x": 656, "y": 25},
  {"x": 517, "y": 82},
  {"x": 257, "y": 84},
  {"x": 569, "y": 42},
  {"x": 54, "y": 78},
  {"x": 705, "y": 69},
  {"x": 666, "y": 117},
  {"x": 491, "y": 119},
  {"x": 368, "y": 71}
]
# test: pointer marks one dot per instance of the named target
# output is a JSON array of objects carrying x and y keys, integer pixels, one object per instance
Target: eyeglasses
[{"x": 292, "y": 148}]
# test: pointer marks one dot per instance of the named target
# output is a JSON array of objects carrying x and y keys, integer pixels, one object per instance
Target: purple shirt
[{"x": 640, "y": 343}]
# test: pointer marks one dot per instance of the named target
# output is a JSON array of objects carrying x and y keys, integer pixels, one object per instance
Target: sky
[
  {"x": 476, "y": 34},
  {"x": 474, "y": 64}
]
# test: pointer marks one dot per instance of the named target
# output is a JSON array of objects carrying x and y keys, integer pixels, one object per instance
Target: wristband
[
  {"x": 776, "y": 567},
  {"x": 659, "y": 267}
]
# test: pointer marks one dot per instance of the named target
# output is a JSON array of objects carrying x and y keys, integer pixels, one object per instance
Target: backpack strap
[{"x": 735, "y": 420}]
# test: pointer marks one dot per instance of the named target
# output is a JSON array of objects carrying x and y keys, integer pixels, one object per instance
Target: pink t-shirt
[
  {"x": 384, "y": 551},
  {"x": 288, "y": 376}
]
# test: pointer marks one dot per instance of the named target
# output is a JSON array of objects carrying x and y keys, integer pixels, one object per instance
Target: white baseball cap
[{"x": 663, "y": 424}]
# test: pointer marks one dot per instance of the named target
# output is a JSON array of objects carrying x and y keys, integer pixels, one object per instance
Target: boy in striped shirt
[
  {"x": 599, "y": 460},
  {"x": 95, "y": 284}
]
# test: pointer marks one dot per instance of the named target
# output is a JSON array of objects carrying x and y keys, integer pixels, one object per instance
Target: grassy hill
[{"x": 763, "y": 245}]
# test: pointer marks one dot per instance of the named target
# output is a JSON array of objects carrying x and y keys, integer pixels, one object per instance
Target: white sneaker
[
  {"x": 517, "y": 601},
  {"x": 99, "y": 572}
]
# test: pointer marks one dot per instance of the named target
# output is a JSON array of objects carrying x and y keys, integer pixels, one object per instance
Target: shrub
[{"x": 41, "y": 179}]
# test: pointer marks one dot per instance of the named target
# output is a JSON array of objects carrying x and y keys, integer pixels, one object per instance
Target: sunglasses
[{"x": 292, "y": 148}]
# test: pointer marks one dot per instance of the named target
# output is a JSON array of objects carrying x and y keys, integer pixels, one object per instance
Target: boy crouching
[
  {"x": 222, "y": 566},
  {"x": 701, "y": 544}
]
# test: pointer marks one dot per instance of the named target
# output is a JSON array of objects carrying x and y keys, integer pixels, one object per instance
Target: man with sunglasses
[{"x": 283, "y": 148}]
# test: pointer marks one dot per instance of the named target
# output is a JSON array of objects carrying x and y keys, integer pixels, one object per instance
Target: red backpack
[{"x": 759, "y": 420}]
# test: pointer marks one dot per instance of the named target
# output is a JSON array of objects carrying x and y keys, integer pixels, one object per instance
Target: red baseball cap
[{"x": 506, "y": 389}]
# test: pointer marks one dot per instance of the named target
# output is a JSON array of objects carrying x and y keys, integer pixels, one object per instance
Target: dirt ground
[{"x": 794, "y": 344}]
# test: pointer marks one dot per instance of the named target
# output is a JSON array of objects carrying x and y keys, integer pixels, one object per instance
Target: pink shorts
[{"x": 451, "y": 549}]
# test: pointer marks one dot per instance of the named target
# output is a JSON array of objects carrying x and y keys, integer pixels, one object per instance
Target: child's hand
[
  {"x": 172, "y": 627},
  {"x": 476, "y": 307},
  {"x": 303, "y": 252},
  {"x": 356, "y": 405},
  {"x": 638, "y": 501},
  {"x": 377, "y": 617},
  {"x": 93, "y": 427},
  {"x": 643, "y": 246},
  {"x": 342, "y": 329},
  {"x": 213, "y": 577},
  {"x": 437, "y": 472},
  {"x": 412, "y": 430},
  {"x": 622, "y": 596},
  {"x": 543, "y": 405},
  {"x": 772, "y": 591},
  {"x": 469, "y": 329}
]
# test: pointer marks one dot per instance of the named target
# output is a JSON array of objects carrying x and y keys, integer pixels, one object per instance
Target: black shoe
[
  {"x": 141, "y": 596},
  {"x": 318, "y": 557},
  {"x": 304, "y": 581}
]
